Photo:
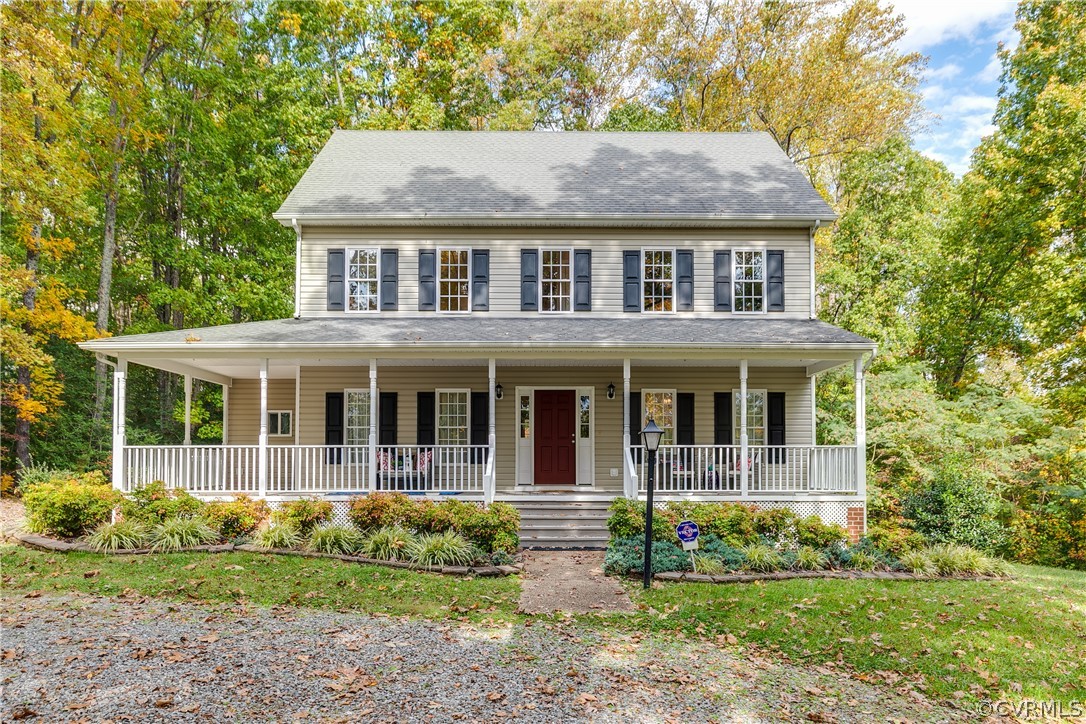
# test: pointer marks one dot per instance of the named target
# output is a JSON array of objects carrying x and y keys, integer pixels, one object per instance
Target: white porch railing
[
  {"x": 717, "y": 469},
  {"x": 196, "y": 468},
  {"x": 432, "y": 468},
  {"x": 317, "y": 468}
]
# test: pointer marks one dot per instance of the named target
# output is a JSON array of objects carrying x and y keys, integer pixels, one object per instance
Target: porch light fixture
[
  {"x": 498, "y": 391},
  {"x": 650, "y": 438},
  {"x": 611, "y": 391}
]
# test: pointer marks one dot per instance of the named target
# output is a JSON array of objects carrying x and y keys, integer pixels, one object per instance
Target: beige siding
[
  {"x": 607, "y": 247},
  {"x": 407, "y": 381},
  {"x": 244, "y": 417}
]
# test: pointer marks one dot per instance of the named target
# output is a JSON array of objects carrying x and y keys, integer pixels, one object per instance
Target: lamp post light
[{"x": 650, "y": 437}]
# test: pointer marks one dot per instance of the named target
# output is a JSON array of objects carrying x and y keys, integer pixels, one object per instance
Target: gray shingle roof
[
  {"x": 553, "y": 176},
  {"x": 569, "y": 332}
]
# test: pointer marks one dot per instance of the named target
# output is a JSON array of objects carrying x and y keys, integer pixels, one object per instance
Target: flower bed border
[
  {"x": 32, "y": 540},
  {"x": 689, "y": 577}
]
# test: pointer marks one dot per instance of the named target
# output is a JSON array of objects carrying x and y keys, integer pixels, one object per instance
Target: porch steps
[{"x": 563, "y": 524}]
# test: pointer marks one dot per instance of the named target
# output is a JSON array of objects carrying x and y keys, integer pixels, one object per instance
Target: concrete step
[{"x": 563, "y": 524}]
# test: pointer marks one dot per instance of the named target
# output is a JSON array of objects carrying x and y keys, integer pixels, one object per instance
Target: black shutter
[
  {"x": 684, "y": 281},
  {"x": 635, "y": 423},
  {"x": 427, "y": 280},
  {"x": 333, "y": 425},
  {"x": 722, "y": 281},
  {"x": 775, "y": 418},
  {"x": 390, "y": 280},
  {"x": 480, "y": 280},
  {"x": 529, "y": 280},
  {"x": 774, "y": 274},
  {"x": 337, "y": 274},
  {"x": 722, "y": 419},
  {"x": 631, "y": 281},
  {"x": 387, "y": 417},
  {"x": 582, "y": 280},
  {"x": 479, "y": 422},
  {"x": 425, "y": 434},
  {"x": 684, "y": 418}
]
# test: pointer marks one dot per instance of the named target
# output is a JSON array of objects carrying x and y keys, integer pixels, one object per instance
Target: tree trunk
[
  {"x": 22, "y": 373},
  {"x": 105, "y": 276}
]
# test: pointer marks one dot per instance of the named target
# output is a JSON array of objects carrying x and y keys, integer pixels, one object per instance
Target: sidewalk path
[{"x": 570, "y": 581}]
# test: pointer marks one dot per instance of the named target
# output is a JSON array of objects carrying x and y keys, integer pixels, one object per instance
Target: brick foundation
[{"x": 856, "y": 523}]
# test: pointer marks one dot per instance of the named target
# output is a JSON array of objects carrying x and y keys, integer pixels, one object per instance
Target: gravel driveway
[{"x": 68, "y": 658}]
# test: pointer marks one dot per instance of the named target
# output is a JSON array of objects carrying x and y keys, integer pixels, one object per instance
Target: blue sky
[{"x": 960, "y": 38}]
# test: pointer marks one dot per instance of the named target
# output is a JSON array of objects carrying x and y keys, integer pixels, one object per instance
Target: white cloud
[
  {"x": 931, "y": 22},
  {"x": 990, "y": 72},
  {"x": 962, "y": 104},
  {"x": 945, "y": 72}
]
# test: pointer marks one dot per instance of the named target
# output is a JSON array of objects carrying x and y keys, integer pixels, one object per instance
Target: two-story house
[{"x": 496, "y": 315}]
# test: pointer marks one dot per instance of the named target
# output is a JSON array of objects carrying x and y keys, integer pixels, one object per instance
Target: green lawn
[{"x": 1022, "y": 638}]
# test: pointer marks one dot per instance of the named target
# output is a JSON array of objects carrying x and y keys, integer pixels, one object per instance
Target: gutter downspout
[
  {"x": 298, "y": 267},
  {"x": 811, "y": 235}
]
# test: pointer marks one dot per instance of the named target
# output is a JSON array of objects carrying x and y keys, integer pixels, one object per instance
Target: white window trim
[
  {"x": 438, "y": 277},
  {"x": 765, "y": 280},
  {"x": 347, "y": 406},
  {"x": 674, "y": 403},
  {"x": 437, "y": 412},
  {"x": 641, "y": 290},
  {"x": 347, "y": 280},
  {"x": 539, "y": 275},
  {"x": 737, "y": 431},
  {"x": 289, "y": 414}
]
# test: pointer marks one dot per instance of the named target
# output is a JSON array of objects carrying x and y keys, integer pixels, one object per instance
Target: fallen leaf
[{"x": 91, "y": 574}]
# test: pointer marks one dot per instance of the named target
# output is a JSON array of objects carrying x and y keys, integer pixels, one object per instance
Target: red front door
[{"x": 555, "y": 437}]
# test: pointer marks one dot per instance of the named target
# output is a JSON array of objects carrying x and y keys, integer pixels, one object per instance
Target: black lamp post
[{"x": 650, "y": 437}]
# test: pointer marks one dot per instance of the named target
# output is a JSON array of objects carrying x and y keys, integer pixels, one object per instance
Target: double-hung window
[
  {"x": 756, "y": 417},
  {"x": 749, "y": 281},
  {"x": 659, "y": 406},
  {"x": 454, "y": 280},
  {"x": 452, "y": 417},
  {"x": 556, "y": 280},
  {"x": 357, "y": 427},
  {"x": 363, "y": 279},
  {"x": 279, "y": 423},
  {"x": 657, "y": 280}
]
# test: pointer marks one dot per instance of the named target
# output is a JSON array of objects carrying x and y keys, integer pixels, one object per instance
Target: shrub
[
  {"x": 501, "y": 558},
  {"x": 708, "y": 565},
  {"x": 155, "y": 503},
  {"x": 378, "y": 510},
  {"x": 69, "y": 507},
  {"x": 950, "y": 559},
  {"x": 863, "y": 561},
  {"x": 809, "y": 559},
  {"x": 441, "y": 549},
  {"x": 177, "y": 533},
  {"x": 730, "y": 557},
  {"x": 494, "y": 528},
  {"x": 626, "y": 519},
  {"x": 335, "y": 539},
  {"x": 388, "y": 543},
  {"x": 236, "y": 518},
  {"x": 283, "y": 536},
  {"x": 956, "y": 506},
  {"x": 813, "y": 533},
  {"x": 894, "y": 539},
  {"x": 34, "y": 474},
  {"x": 122, "y": 535},
  {"x": 777, "y": 524},
  {"x": 304, "y": 514},
  {"x": 761, "y": 557},
  {"x": 918, "y": 562},
  {"x": 626, "y": 555},
  {"x": 733, "y": 523}
]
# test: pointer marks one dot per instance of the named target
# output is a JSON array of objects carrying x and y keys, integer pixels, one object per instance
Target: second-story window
[
  {"x": 749, "y": 276},
  {"x": 362, "y": 280},
  {"x": 454, "y": 281},
  {"x": 657, "y": 280},
  {"x": 556, "y": 280}
]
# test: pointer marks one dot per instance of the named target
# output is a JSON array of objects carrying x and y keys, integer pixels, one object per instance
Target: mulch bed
[
  {"x": 42, "y": 542},
  {"x": 682, "y": 576}
]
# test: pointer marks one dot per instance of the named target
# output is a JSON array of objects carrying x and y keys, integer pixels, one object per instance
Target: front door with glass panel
[{"x": 555, "y": 436}]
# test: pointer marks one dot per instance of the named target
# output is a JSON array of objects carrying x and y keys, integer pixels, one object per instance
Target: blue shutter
[
  {"x": 722, "y": 284},
  {"x": 529, "y": 280},
  {"x": 427, "y": 280},
  {"x": 337, "y": 274},
  {"x": 390, "y": 280},
  {"x": 684, "y": 281},
  {"x": 480, "y": 280},
  {"x": 774, "y": 274},
  {"x": 582, "y": 280},
  {"x": 631, "y": 281}
]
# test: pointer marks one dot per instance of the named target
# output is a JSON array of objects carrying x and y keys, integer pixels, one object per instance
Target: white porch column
[
  {"x": 262, "y": 441},
  {"x": 628, "y": 483},
  {"x": 372, "y": 473},
  {"x": 744, "y": 451},
  {"x": 226, "y": 414},
  {"x": 188, "y": 409},
  {"x": 120, "y": 374},
  {"x": 489, "y": 483},
  {"x": 861, "y": 429}
]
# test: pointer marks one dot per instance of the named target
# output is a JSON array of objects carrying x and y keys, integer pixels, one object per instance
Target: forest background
[{"x": 146, "y": 144}]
